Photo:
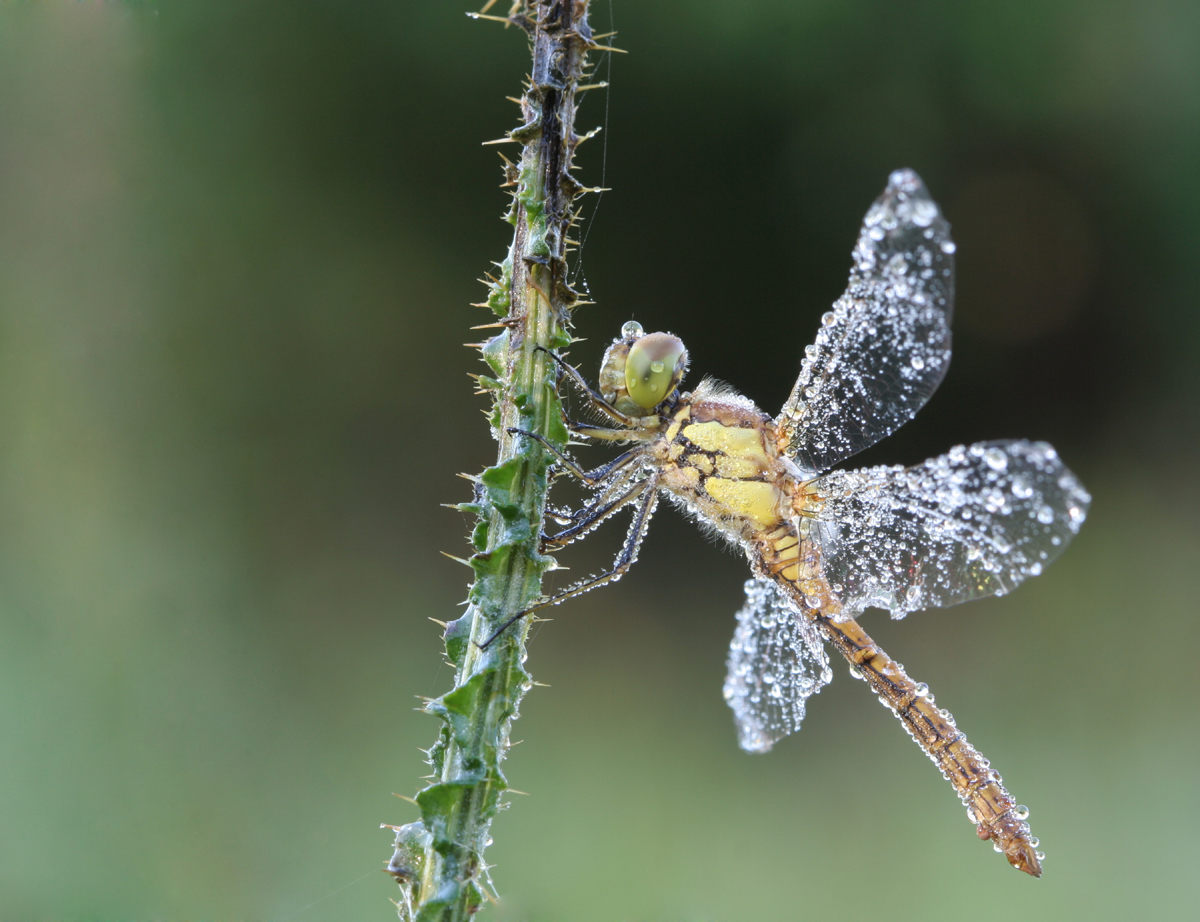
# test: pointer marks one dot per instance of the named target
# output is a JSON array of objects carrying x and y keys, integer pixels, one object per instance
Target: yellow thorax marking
[
  {"x": 729, "y": 440},
  {"x": 682, "y": 416},
  {"x": 750, "y": 499},
  {"x": 737, "y": 468}
]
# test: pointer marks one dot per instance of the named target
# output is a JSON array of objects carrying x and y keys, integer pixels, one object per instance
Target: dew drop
[
  {"x": 631, "y": 330},
  {"x": 1021, "y": 812},
  {"x": 921, "y": 690},
  {"x": 948, "y": 246},
  {"x": 996, "y": 459},
  {"x": 1035, "y": 841},
  {"x": 971, "y": 816},
  {"x": 657, "y": 367},
  {"x": 917, "y": 362},
  {"x": 1045, "y": 515},
  {"x": 923, "y": 212},
  {"x": 1041, "y": 856},
  {"x": 1022, "y": 487}
]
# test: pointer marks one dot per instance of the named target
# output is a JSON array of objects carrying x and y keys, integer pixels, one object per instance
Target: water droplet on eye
[
  {"x": 921, "y": 690},
  {"x": 631, "y": 330},
  {"x": 948, "y": 246},
  {"x": 996, "y": 459},
  {"x": 1045, "y": 515},
  {"x": 1076, "y": 514},
  {"x": 1035, "y": 569},
  {"x": 917, "y": 362},
  {"x": 1021, "y": 812},
  {"x": 1022, "y": 487},
  {"x": 657, "y": 367}
]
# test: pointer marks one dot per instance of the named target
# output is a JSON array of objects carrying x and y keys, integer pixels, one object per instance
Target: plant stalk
[{"x": 438, "y": 861}]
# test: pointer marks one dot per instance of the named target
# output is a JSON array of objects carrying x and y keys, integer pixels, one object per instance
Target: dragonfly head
[{"x": 642, "y": 371}]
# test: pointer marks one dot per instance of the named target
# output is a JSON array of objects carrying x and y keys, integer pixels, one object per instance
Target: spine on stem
[{"x": 438, "y": 860}]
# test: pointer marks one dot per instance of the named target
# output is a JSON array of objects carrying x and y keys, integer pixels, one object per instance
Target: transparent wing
[
  {"x": 884, "y": 348},
  {"x": 974, "y": 522},
  {"x": 776, "y": 660}
]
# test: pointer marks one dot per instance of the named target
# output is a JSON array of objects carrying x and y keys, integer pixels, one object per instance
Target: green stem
[{"x": 438, "y": 861}]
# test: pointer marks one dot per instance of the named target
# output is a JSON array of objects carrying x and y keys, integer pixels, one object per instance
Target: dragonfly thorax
[{"x": 642, "y": 371}]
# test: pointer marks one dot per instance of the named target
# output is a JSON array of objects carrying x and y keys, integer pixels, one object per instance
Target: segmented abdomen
[{"x": 794, "y": 563}]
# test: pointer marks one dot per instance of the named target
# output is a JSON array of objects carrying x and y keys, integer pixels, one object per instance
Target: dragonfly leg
[
  {"x": 594, "y": 514},
  {"x": 614, "y": 435},
  {"x": 597, "y": 402},
  {"x": 648, "y": 491},
  {"x": 591, "y": 478}
]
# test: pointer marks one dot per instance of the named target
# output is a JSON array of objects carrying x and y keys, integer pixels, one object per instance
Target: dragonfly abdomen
[{"x": 979, "y": 786}]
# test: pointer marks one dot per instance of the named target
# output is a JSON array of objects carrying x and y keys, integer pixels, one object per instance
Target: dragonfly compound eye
[{"x": 654, "y": 368}]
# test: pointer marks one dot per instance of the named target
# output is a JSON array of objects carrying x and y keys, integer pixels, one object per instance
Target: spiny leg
[
  {"x": 595, "y": 513},
  {"x": 614, "y": 435},
  {"x": 592, "y": 477},
  {"x": 602, "y": 493},
  {"x": 597, "y": 402},
  {"x": 648, "y": 490}
]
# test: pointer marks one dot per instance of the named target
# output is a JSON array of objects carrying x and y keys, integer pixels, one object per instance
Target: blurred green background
[{"x": 237, "y": 245}]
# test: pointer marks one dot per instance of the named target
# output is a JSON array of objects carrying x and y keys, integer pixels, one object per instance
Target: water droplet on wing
[{"x": 996, "y": 459}]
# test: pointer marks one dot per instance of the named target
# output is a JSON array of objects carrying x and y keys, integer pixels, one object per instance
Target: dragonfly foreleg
[
  {"x": 598, "y": 403},
  {"x": 614, "y": 435},
  {"x": 648, "y": 491}
]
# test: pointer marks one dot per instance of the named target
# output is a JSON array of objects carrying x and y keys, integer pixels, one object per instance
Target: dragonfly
[{"x": 825, "y": 544}]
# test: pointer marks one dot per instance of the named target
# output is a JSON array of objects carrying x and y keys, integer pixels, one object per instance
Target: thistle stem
[{"x": 438, "y": 861}]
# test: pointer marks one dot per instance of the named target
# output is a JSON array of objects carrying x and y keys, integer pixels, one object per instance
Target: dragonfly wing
[
  {"x": 974, "y": 522},
  {"x": 776, "y": 661},
  {"x": 884, "y": 348}
]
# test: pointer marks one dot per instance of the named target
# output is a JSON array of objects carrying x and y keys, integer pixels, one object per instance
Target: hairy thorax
[{"x": 719, "y": 457}]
